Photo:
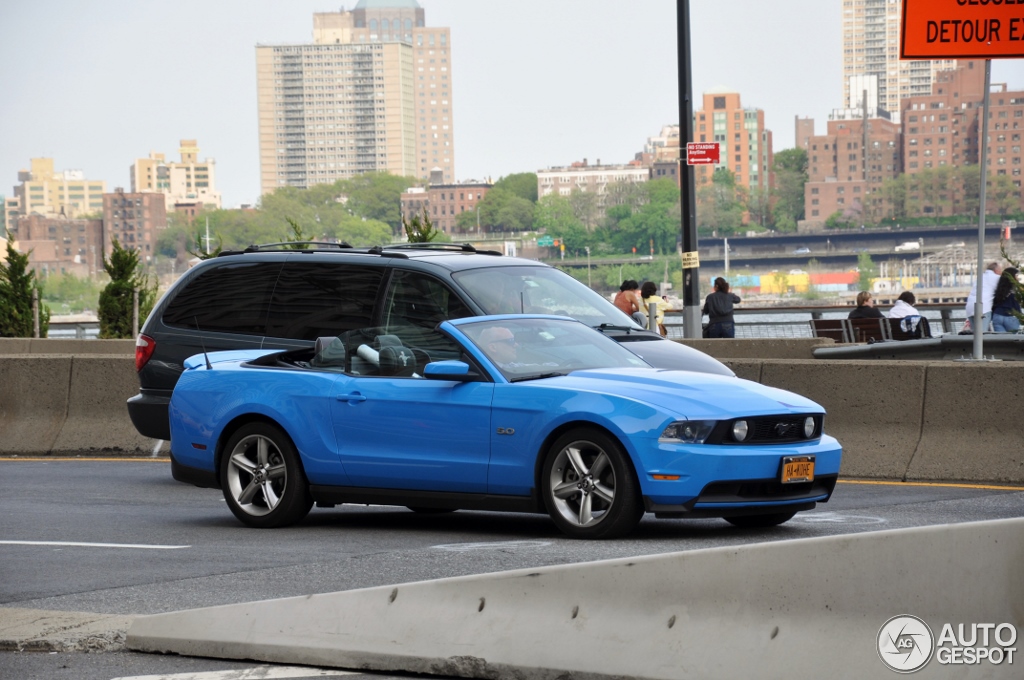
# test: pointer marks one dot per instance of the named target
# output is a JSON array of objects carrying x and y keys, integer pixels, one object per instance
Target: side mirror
[{"x": 449, "y": 370}]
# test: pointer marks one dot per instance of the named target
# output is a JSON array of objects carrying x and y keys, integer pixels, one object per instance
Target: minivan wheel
[
  {"x": 589, "y": 486},
  {"x": 262, "y": 477}
]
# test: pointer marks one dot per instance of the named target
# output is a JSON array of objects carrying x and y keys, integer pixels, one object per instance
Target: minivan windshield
[{"x": 539, "y": 290}]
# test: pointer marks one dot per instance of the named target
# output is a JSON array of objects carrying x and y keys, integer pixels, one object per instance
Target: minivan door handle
[{"x": 353, "y": 398}]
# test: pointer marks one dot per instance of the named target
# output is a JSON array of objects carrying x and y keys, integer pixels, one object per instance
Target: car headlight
[
  {"x": 740, "y": 430},
  {"x": 808, "y": 427},
  {"x": 687, "y": 432}
]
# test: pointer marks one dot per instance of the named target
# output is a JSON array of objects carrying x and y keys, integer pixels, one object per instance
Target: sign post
[
  {"x": 687, "y": 183},
  {"x": 966, "y": 29}
]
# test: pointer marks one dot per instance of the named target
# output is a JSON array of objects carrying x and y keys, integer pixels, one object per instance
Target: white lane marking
[
  {"x": 72, "y": 544},
  {"x": 494, "y": 545},
  {"x": 261, "y": 672},
  {"x": 836, "y": 518}
]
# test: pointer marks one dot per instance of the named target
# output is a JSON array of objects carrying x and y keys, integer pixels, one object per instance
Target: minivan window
[
  {"x": 415, "y": 304},
  {"x": 538, "y": 290},
  {"x": 315, "y": 299},
  {"x": 232, "y": 298}
]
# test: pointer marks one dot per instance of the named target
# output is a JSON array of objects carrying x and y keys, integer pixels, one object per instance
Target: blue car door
[{"x": 412, "y": 433}]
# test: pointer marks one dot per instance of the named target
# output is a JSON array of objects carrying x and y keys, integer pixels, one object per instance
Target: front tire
[
  {"x": 262, "y": 477},
  {"x": 760, "y": 521},
  {"x": 589, "y": 486}
]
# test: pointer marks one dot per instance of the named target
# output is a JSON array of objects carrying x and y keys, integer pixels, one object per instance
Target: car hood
[{"x": 688, "y": 394}]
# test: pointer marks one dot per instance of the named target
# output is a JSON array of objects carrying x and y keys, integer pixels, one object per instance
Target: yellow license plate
[{"x": 797, "y": 469}]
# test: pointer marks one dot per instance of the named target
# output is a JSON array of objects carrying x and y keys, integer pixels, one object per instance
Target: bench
[{"x": 866, "y": 330}]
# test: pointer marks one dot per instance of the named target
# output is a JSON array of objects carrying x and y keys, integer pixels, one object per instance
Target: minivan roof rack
[
  {"x": 290, "y": 245},
  {"x": 460, "y": 247}
]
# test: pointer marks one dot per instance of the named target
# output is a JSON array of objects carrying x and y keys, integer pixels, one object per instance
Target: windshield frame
[{"x": 530, "y": 347}]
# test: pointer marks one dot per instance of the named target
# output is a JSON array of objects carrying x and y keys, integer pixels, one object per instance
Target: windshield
[
  {"x": 530, "y": 348},
  {"x": 539, "y": 290}
]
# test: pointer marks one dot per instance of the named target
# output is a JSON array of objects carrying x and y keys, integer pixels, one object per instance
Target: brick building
[
  {"x": 746, "y": 146},
  {"x": 443, "y": 202},
  {"x": 135, "y": 219},
  {"x": 57, "y": 245}
]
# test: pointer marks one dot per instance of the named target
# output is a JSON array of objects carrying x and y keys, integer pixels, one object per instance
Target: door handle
[{"x": 351, "y": 398}]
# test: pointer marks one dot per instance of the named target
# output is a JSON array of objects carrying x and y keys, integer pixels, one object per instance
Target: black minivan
[{"x": 280, "y": 298}]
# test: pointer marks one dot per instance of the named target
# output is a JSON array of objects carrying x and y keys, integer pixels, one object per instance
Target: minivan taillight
[{"x": 144, "y": 347}]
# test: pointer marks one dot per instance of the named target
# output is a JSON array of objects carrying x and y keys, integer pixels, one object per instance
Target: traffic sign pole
[{"x": 687, "y": 184}]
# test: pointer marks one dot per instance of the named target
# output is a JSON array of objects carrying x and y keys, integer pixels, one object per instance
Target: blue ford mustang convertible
[{"x": 515, "y": 413}]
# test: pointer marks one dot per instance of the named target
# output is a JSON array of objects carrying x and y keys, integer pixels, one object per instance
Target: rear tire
[
  {"x": 589, "y": 486},
  {"x": 760, "y": 521},
  {"x": 262, "y": 477}
]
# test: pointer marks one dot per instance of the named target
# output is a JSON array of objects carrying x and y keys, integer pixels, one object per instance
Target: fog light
[
  {"x": 739, "y": 430},
  {"x": 809, "y": 427}
]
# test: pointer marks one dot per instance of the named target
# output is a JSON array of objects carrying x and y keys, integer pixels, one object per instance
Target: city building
[
  {"x": 595, "y": 179},
  {"x": 804, "y": 128},
  {"x": 50, "y": 193},
  {"x": 848, "y": 166},
  {"x": 871, "y": 33},
  {"x": 664, "y": 147},
  {"x": 443, "y": 202},
  {"x": 187, "y": 182},
  {"x": 745, "y": 145},
  {"x": 373, "y": 92},
  {"x": 135, "y": 219},
  {"x": 944, "y": 127},
  {"x": 58, "y": 245}
]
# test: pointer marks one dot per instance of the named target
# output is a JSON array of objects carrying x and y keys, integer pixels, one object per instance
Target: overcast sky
[{"x": 536, "y": 83}]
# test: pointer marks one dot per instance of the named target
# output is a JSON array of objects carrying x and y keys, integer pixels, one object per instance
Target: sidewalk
[{"x": 38, "y": 630}]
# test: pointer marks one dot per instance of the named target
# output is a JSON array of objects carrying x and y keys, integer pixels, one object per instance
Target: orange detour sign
[{"x": 961, "y": 29}]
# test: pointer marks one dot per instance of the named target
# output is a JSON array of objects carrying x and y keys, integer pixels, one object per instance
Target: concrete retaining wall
[
  {"x": 759, "y": 348},
  {"x": 809, "y": 608},
  {"x": 53, "y": 404},
  {"x": 909, "y": 420},
  {"x": 65, "y": 346}
]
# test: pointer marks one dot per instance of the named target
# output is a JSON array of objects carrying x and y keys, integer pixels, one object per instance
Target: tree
[
  {"x": 372, "y": 195},
  {"x": 790, "y": 168},
  {"x": 420, "y": 231},
  {"x": 522, "y": 184},
  {"x": 721, "y": 204},
  {"x": 501, "y": 210},
  {"x": 117, "y": 299},
  {"x": 17, "y": 282},
  {"x": 868, "y": 270}
]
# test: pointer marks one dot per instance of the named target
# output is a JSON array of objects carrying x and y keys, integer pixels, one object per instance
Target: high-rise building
[
  {"x": 871, "y": 34},
  {"x": 187, "y": 182},
  {"x": 745, "y": 146},
  {"x": 51, "y": 193},
  {"x": 373, "y": 92}
]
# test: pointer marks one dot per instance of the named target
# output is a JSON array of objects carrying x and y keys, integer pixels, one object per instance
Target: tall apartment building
[
  {"x": 745, "y": 144},
  {"x": 804, "y": 130},
  {"x": 50, "y": 193},
  {"x": 135, "y": 219},
  {"x": 187, "y": 182},
  {"x": 871, "y": 33},
  {"x": 373, "y": 92}
]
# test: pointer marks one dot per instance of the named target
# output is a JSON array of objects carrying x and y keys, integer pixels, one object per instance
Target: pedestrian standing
[{"x": 719, "y": 308}]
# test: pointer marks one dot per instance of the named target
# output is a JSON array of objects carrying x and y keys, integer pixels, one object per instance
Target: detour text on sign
[{"x": 960, "y": 29}]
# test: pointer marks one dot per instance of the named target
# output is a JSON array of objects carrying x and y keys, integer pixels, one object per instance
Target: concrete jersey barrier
[
  {"x": 809, "y": 608},
  {"x": 66, "y": 346},
  {"x": 64, "y": 405}
]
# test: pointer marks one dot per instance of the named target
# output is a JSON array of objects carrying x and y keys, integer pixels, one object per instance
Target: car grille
[
  {"x": 781, "y": 429},
  {"x": 765, "y": 490}
]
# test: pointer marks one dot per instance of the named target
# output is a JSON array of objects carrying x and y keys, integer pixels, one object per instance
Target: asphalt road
[{"x": 121, "y": 537}]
